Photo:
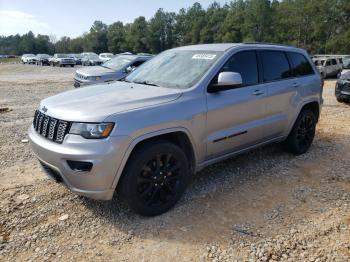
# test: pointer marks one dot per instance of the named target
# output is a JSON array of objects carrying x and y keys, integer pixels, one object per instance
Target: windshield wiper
[{"x": 145, "y": 83}]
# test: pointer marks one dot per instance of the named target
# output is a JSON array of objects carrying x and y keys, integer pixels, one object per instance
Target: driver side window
[{"x": 245, "y": 63}]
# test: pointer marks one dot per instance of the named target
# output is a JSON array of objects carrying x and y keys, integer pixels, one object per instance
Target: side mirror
[
  {"x": 128, "y": 69},
  {"x": 226, "y": 81}
]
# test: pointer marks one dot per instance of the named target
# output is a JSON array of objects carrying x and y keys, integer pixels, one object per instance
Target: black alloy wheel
[
  {"x": 155, "y": 178},
  {"x": 303, "y": 133}
]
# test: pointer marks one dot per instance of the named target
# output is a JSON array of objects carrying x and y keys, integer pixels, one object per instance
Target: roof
[{"x": 225, "y": 46}]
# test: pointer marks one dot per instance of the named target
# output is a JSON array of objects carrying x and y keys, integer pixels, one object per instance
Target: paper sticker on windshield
[{"x": 204, "y": 56}]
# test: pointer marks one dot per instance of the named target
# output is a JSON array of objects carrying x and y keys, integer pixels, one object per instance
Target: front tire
[
  {"x": 155, "y": 178},
  {"x": 303, "y": 133}
]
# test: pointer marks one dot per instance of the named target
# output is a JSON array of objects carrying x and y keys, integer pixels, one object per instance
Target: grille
[
  {"x": 49, "y": 127},
  {"x": 346, "y": 87},
  {"x": 81, "y": 76}
]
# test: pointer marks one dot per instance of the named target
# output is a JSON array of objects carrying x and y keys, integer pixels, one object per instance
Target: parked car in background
[
  {"x": 28, "y": 59},
  {"x": 42, "y": 59},
  {"x": 346, "y": 62},
  {"x": 114, "y": 69},
  {"x": 183, "y": 110},
  {"x": 328, "y": 66},
  {"x": 77, "y": 58},
  {"x": 342, "y": 87},
  {"x": 105, "y": 56},
  {"x": 91, "y": 60},
  {"x": 62, "y": 60},
  {"x": 88, "y": 53}
]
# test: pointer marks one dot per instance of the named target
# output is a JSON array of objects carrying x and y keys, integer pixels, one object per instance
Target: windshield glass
[
  {"x": 319, "y": 62},
  {"x": 107, "y": 55},
  {"x": 62, "y": 56},
  {"x": 118, "y": 62},
  {"x": 43, "y": 56},
  {"x": 92, "y": 56},
  {"x": 175, "y": 68}
]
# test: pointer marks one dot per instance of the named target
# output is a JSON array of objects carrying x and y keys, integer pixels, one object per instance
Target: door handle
[{"x": 258, "y": 92}]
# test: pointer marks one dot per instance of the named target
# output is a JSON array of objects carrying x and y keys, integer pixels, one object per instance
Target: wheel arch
[
  {"x": 312, "y": 105},
  {"x": 179, "y": 136}
]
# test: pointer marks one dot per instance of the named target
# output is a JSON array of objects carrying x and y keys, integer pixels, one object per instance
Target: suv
[
  {"x": 42, "y": 59},
  {"x": 342, "y": 87},
  {"x": 328, "y": 66},
  {"x": 91, "y": 60},
  {"x": 28, "y": 59},
  {"x": 183, "y": 110},
  {"x": 62, "y": 60},
  {"x": 114, "y": 69}
]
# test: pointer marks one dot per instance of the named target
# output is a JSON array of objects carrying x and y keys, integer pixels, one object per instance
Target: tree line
[{"x": 320, "y": 26}]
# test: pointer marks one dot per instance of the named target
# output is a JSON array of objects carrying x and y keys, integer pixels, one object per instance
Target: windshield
[
  {"x": 92, "y": 56},
  {"x": 62, "y": 56},
  {"x": 175, "y": 68},
  {"x": 107, "y": 55},
  {"x": 118, "y": 62},
  {"x": 319, "y": 62},
  {"x": 75, "y": 55},
  {"x": 43, "y": 56}
]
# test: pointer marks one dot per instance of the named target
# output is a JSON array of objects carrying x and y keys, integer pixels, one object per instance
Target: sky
[{"x": 74, "y": 17}]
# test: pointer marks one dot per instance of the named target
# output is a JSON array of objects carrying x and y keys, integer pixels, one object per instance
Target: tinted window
[
  {"x": 275, "y": 65},
  {"x": 244, "y": 63},
  {"x": 334, "y": 62},
  {"x": 328, "y": 63},
  {"x": 300, "y": 65}
]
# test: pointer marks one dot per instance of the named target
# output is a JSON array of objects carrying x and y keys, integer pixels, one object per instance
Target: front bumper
[
  {"x": 105, "y": 155},
  {"x": 342, "y": 90}
]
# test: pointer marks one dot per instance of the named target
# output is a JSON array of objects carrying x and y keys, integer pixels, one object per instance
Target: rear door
[
  {"x": 235, "y": 117},
  {"x": 282, "y": 90}
]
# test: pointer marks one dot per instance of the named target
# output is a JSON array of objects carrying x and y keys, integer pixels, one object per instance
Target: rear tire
[
  {"x": 155, "y": 178},
  {"x": 302, "y": 134}
]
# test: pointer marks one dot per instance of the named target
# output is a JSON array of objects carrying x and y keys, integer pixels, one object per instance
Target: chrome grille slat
[{"x": 51, "y": 128}]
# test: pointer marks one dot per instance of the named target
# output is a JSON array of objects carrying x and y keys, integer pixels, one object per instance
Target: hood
[
  {"x": 95, "y": 103},
  {"x": 345, "y": 75},
  {"x": 95, "y": 71}
]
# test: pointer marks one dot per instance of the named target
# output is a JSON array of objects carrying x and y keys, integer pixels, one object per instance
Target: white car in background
[
  {"x": 28, "y": 59},
  {"x": 105, "y": 56},
  {"x": 328, "y": 66}
]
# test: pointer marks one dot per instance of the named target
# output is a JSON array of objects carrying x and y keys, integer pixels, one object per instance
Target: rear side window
[
  {"x": 300, "y": 65},
  {"x": 334, "y": 62},
  {"x": 275, "y": 65},
  {"x": 244, "y": 63}
]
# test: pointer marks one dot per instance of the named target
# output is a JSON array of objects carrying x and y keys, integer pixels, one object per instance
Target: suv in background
[
  {"x": 28, "y": 59},
  {"x": 105, "y": 56},
  {"x": 346, "y": 62},
  {"x": 183, "y": 110},
  {"x": 62, "y": 60},
  {"x": 342, "y": 87},
  {"x": 114, "y": 69},
  {"x": 91, "y": 59},
  {"x": 328, "y": 66},
  {"x": 42, "y": 59},
  {"x": 76, "y": 57}
]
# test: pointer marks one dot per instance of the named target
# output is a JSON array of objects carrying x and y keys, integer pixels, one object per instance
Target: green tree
[
  {"x": 161, "y": 28},
  {"x": 116, "y": 38}
]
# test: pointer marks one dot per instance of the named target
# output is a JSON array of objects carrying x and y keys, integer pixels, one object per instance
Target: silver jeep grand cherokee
[{"x": 185, "y": 109}]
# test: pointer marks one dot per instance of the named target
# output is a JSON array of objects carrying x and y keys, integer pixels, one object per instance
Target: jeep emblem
[{"x": 44, "y": 109}]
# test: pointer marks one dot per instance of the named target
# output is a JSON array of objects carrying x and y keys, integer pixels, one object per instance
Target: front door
[{"x": 235, "y": 117}]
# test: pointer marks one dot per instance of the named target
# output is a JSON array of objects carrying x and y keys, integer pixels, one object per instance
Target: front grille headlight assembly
[{"x": 92, "y": 130}]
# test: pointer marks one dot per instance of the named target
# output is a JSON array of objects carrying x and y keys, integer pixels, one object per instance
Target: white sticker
[{"x": 204, "y": 56}]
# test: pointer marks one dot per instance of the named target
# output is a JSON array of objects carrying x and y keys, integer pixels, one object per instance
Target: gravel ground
[{"x": 266, "y": 205}]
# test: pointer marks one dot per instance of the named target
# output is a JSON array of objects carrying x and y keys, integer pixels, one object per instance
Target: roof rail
[{"x": 264, "y": 43}]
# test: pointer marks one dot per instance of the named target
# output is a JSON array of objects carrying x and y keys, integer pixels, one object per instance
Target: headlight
[{"x": 88, "y": 130}]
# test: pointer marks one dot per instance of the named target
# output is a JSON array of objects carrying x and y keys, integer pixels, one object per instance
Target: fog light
[{"x": 81, "y": 166}]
